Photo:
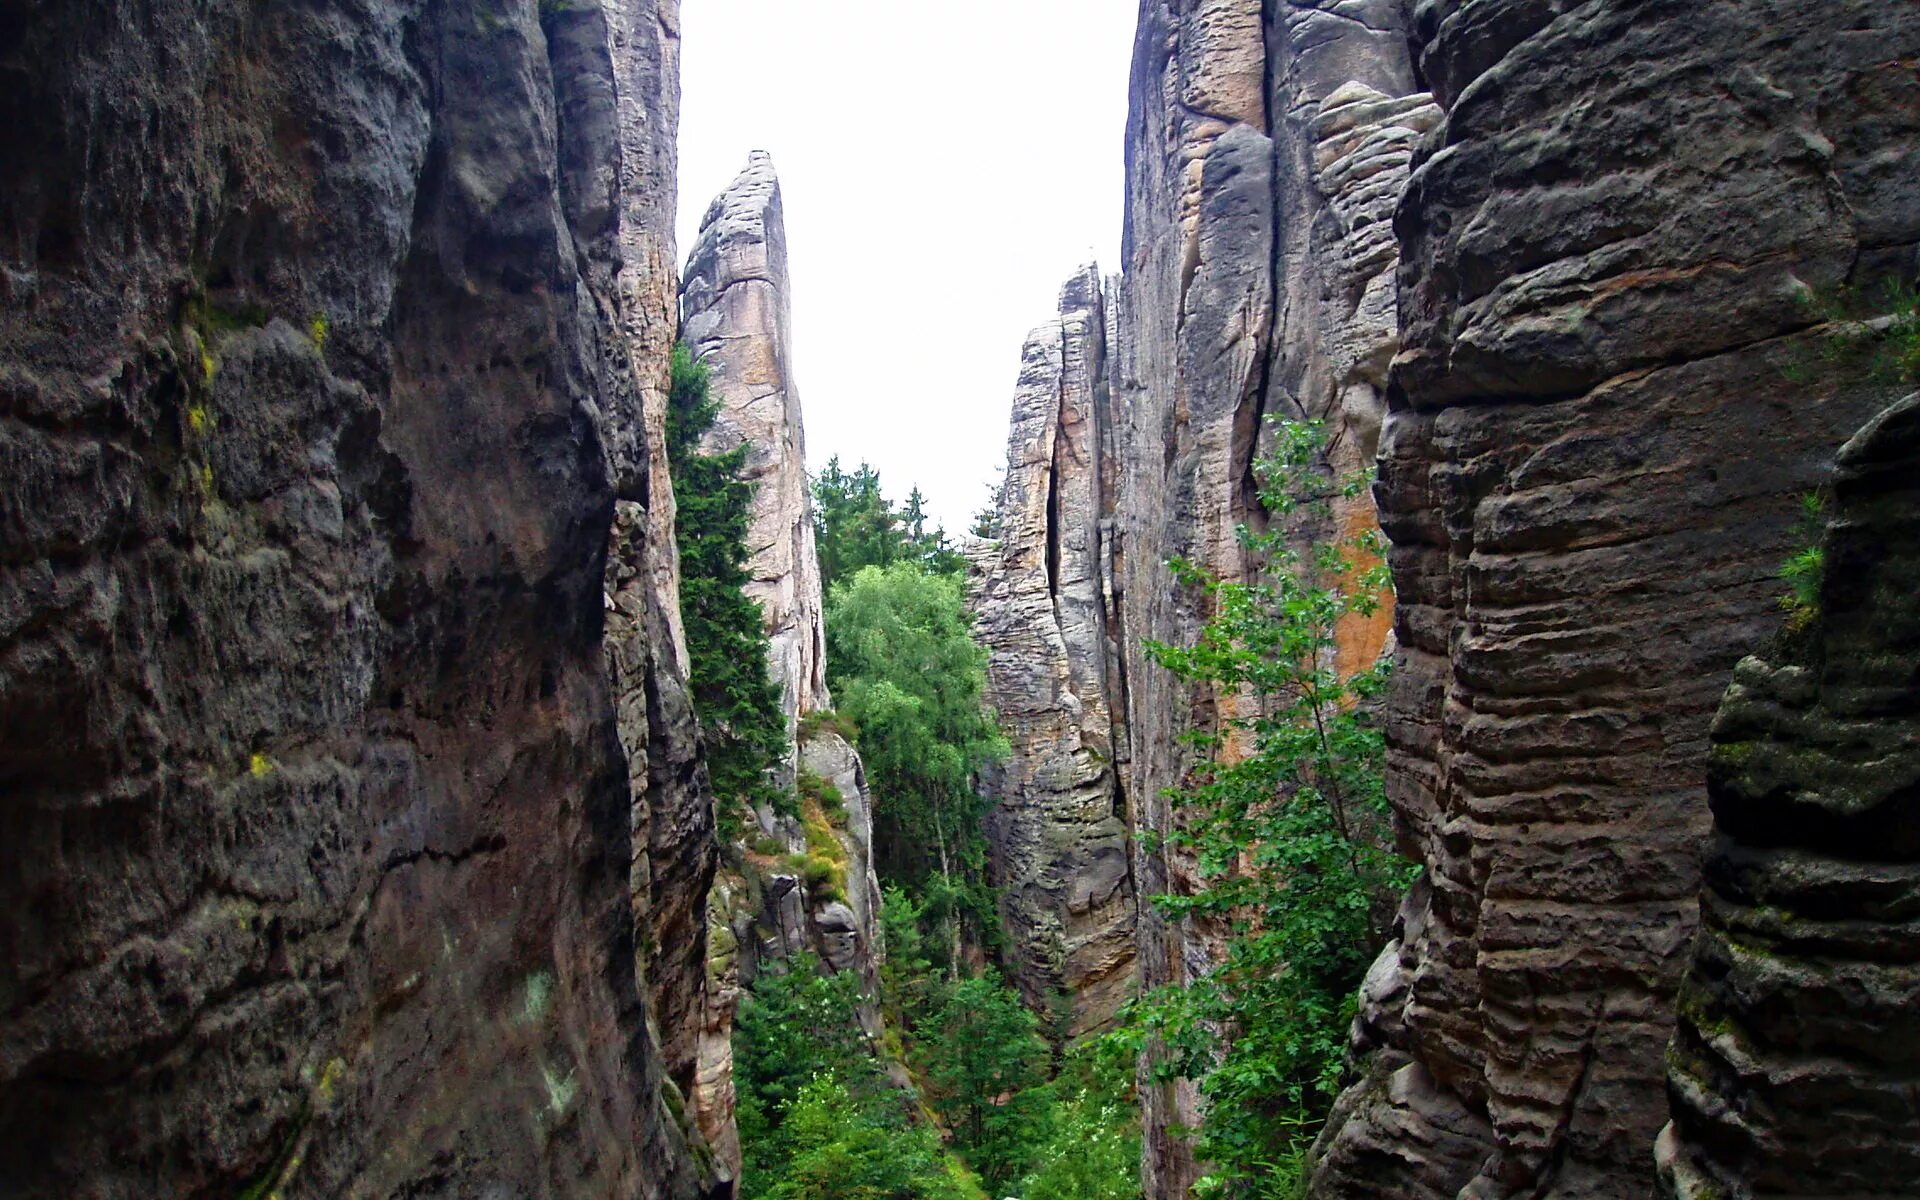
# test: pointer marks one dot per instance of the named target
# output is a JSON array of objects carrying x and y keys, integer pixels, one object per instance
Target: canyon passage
[{"x": 1429, "y": 708}]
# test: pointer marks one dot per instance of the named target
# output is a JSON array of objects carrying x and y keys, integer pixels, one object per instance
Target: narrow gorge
[{"x": 1431, "y": 710}]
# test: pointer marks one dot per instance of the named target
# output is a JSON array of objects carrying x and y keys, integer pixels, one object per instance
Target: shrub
[
  {"x": 826, "y": 880},
  {"x": 1094, "y": 1153},
  {"x": 1806, "y": 568},
  {"x": 818, "y": 1118}
]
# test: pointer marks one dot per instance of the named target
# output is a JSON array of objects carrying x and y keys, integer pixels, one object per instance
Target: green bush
[
  {"x": 1806, "y": 569},
  {"x": 1094, "y": 1153},
  {"x": 826, "y": 880},
  {"x": 842, "y": 1149},
  {"x": 818, "y": 1118}
]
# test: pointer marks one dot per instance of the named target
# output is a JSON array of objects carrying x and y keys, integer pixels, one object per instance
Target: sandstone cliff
[
  {"x": 1266, "y": 146},
  {"x": 1598, "y": 426},
  {"x": 1796, "y": 1067},
  {"x": 326, "y": 336},
  {"x": 735, "y": 312},
  {"x": 1057, "y": 835}
]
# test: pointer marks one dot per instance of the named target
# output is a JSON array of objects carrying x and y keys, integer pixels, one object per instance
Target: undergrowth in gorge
[{"x": 821, "y": 1118}]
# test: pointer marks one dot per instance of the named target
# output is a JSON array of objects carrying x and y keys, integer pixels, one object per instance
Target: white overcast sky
[{"x": 945, "y": 168}]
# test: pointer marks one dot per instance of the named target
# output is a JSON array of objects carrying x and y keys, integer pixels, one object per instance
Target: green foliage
[
  {"x": 1875, "y": 330},
  {"x": 909, "y": 986},
  {"x": 1806, "y": 568},
  {"x": 902, "y": 660},
  {"x": 1094, "y": 1153},
  {"x": 985, "y": 1065},
  {"x": 844, "y": 1149},
  {"x": 793, "y": 1025},
  {"x": 1285, "y": 815},
  {"x": 825, "y": 879},
  {"x": 824, "y": 866},
  {"x": 738, "y": 705},
  {"x": 818, "y": 1118},
  {"x": 854, "y": 526}
]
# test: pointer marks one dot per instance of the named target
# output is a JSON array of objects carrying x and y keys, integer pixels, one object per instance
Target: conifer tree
[{"x": 741, "y": 722}]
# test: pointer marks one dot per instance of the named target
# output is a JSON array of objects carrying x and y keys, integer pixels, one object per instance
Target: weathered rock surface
[
  {"x": 322, "y": 333},
  {"x": 1057, "y": 835},
  {"x": 1599, "y": 423},
  {"x": 1267, "y": 145},
  {"x": 1796, "y": 1068},
  {"x": 735, "y": 310}
]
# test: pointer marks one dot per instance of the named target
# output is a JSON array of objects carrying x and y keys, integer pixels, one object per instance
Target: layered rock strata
[
  {"x": 736, "y": 320},
  {"x": 1044, "y": 596},
  {"x": 1796, "y": 1067},
  {"x": 1266, "y": 147},
  {"x": 1604, "y": 411},
  {"x": 323, "y": 332}
]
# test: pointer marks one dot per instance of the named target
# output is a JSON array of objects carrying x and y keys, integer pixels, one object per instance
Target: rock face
[
  {"x": 1057, "y": 835},
  {"x": 1267, "y": 145},
  {"x": 1796, "y": 1067},
  {"x": 1600, "y": 419},
  {"x": 734, "y": 303},
  {"x": 323, "y": 335}
]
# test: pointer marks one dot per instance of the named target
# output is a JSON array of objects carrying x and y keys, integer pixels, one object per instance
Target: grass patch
[
  {"x": 817, "y": 791},
  {"x": 827, "y": 720}
]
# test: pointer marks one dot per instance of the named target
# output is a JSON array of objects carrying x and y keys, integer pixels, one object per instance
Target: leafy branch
[{"x": 1285, "y": 817}]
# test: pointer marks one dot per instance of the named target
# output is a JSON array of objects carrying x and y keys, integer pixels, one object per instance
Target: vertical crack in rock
[
  {"x": 1796, "y": 1066},
  {"x": 1602, "y": 413},
  {"x": 314, "y": 379},
  {"x": 1057, "y": 836}
]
